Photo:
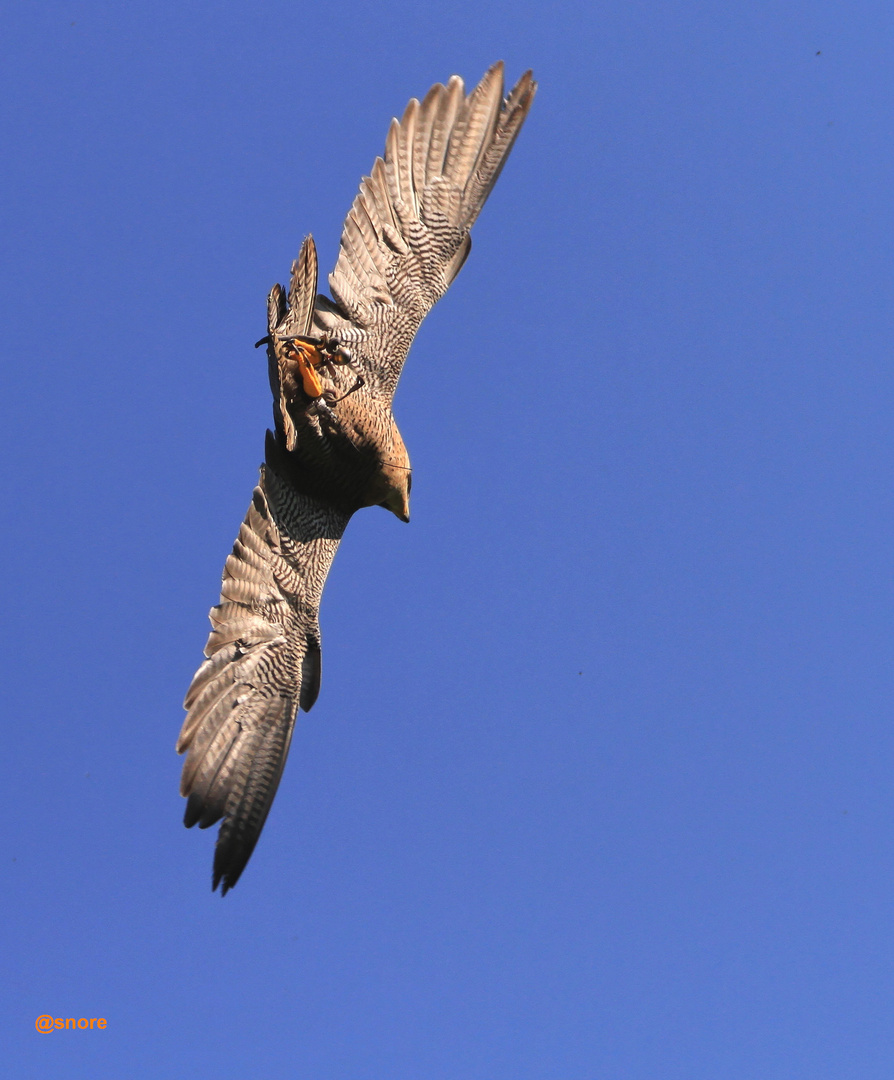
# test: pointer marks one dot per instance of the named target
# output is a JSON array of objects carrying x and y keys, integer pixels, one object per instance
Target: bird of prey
[{"x": 335, "y": 448}]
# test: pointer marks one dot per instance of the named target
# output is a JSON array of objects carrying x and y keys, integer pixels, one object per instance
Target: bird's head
[
  {"x": 390, "y": 486},
  {"x": 398, "y": 478},
  {"x": 398, "y": 498}
]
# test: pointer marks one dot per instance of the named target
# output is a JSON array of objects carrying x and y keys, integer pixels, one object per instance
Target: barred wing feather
[
  {"x": 407, "y": 234},
  {"x": 263, "y": 663}
]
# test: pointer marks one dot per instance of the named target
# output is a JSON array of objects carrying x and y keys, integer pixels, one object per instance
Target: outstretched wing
[
  {"x": 407, "y": 234},
  {"x": 263, "y": 664}
]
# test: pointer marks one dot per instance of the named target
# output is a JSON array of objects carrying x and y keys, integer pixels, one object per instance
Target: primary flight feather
[{"x": 333, "y": 366}]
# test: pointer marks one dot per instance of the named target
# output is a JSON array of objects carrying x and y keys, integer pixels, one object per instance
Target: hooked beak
[{"x": 399, "y": 505}]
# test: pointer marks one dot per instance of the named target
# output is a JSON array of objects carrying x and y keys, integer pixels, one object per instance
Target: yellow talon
[
  {"x": 313, "y": 387},
  {"x": 306, "y": 358}
]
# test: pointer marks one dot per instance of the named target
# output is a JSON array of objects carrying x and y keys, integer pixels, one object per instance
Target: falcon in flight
[{"x": 335, "y": 448}]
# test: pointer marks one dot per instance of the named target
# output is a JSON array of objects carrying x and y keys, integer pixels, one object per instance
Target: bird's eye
[{"x": 345, "y": 354}]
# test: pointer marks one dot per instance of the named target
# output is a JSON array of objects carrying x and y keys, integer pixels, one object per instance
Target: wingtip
[
  {"x": 193, "y": 809},
  {"x": 219, "y": 878},
  {"x": 229, "y": 863},
  {"x": 524, "y": 90},
  {"x": 224, "y": 875}
]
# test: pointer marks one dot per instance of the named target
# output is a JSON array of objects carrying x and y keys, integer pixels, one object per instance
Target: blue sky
[{"x": 599, "y": 783}]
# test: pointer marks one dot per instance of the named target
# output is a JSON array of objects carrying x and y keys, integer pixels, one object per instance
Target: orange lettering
[
  {"x": 71, "y": 1020},
  {"x": 100, "y": 1023}
]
